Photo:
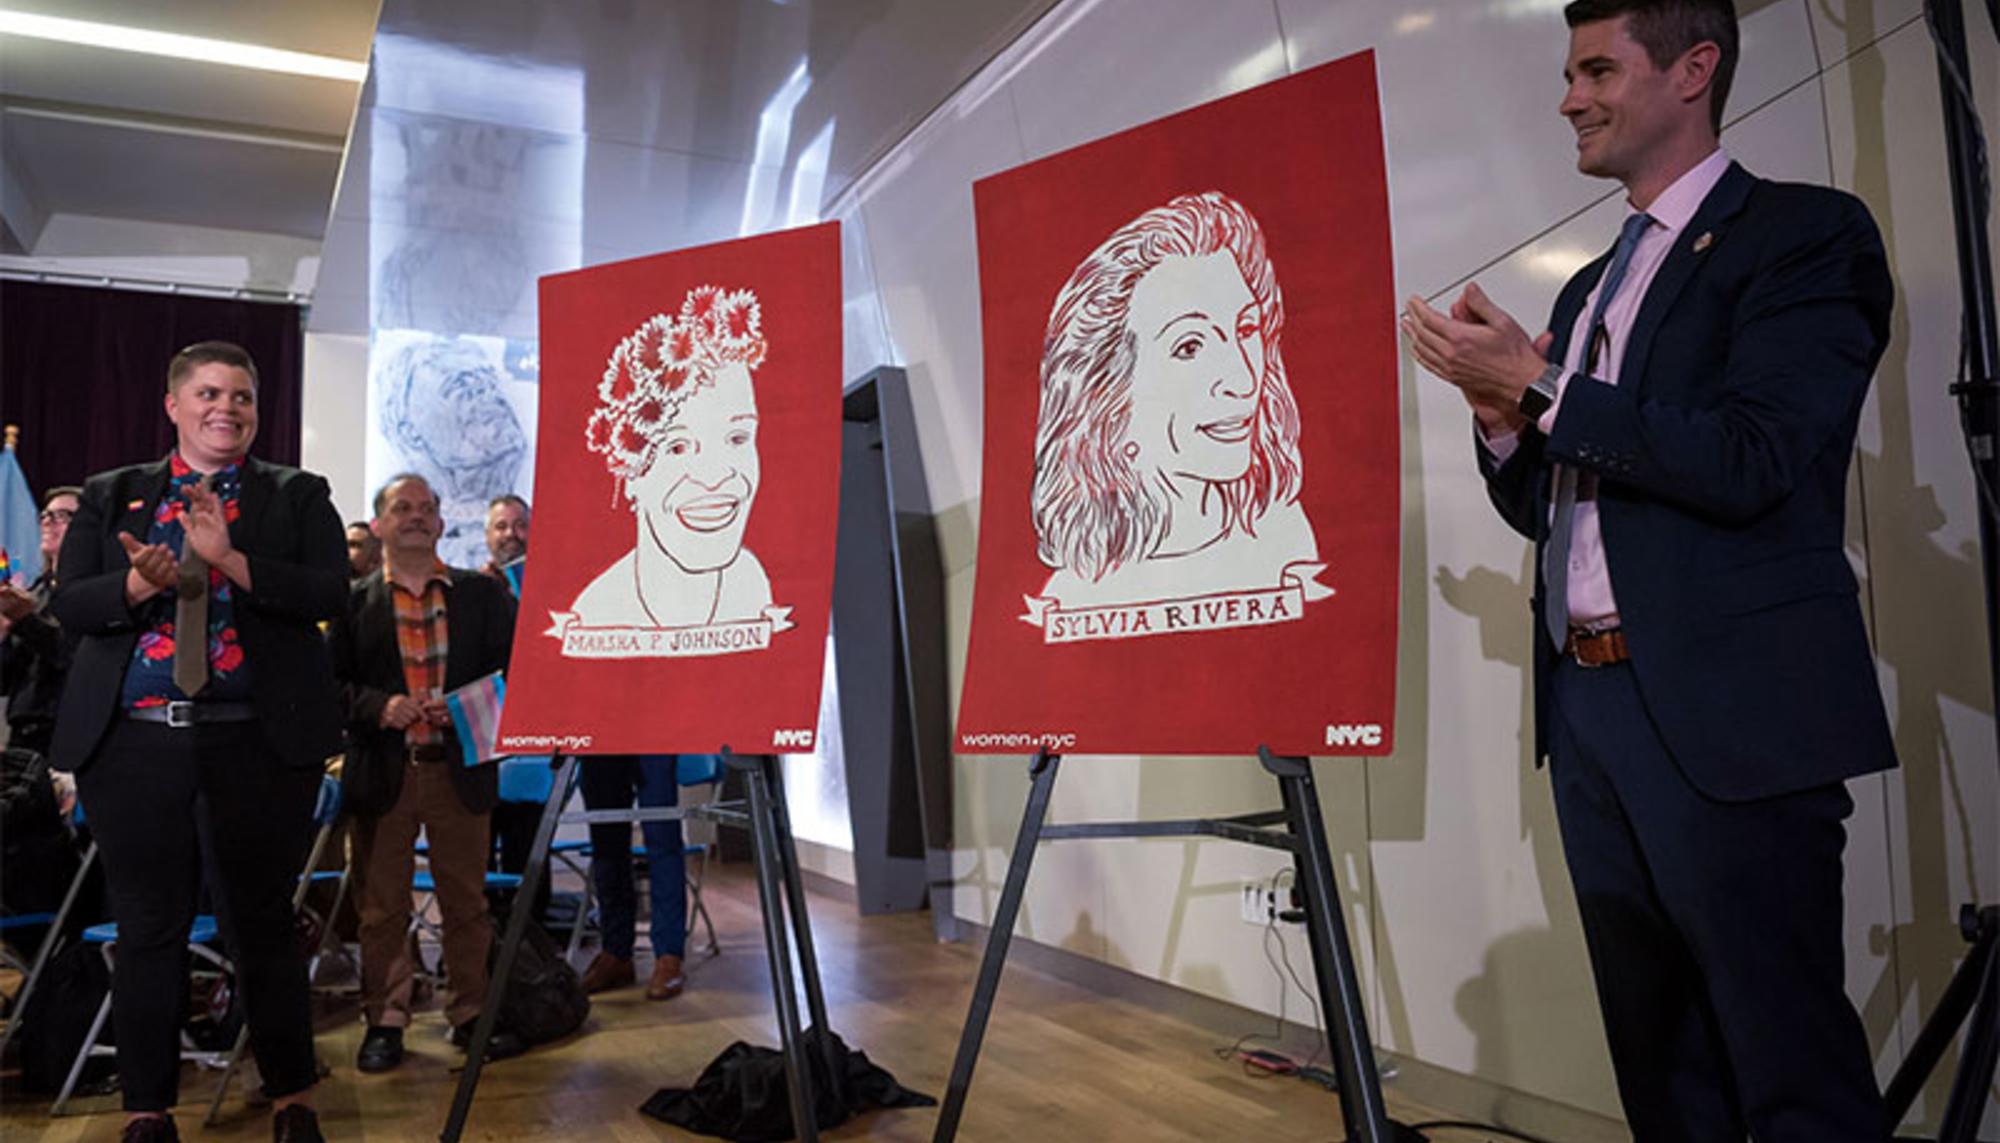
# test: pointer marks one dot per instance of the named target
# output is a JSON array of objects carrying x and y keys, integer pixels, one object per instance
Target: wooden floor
[{"x": 1059, "y": 1063}]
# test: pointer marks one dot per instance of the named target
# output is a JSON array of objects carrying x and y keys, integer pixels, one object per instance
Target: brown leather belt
[
  {"x": 1597, "y": 648},
  {"x": 429, "y": 752}
]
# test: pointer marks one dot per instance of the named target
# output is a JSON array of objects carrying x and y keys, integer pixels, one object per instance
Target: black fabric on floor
[{"x": 742, "y": 1095}]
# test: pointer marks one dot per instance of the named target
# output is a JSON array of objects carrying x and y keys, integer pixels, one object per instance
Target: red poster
[
  {"x": 676, "y": 596},
  {"x": 1189, "y": 521}
]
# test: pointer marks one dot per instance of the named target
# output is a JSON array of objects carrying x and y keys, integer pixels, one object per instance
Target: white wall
[
  {"x": 334, "y": 418},
  {"x": 1448, "y": 851}
]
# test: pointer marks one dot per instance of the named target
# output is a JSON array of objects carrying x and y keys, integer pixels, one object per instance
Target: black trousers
[
  {"x": 165, "y": 803},
  {"x": 1715, "y": 935}
]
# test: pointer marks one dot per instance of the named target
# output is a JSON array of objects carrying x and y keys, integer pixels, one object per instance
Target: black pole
[
  {"x": 1978, "y": 392},
  {"x": 802, "y": 938},
  {"x": 1042, "y": 782},
  {"x": 1361, "y": 1103},
  {"x": 510, "y": 945},
  {"x": 1966, "y": 1105},
  {"x": 764, "y": 853},
  {"x": 1937, "y": 1033},
  {"x": 1974, "y": 990}
]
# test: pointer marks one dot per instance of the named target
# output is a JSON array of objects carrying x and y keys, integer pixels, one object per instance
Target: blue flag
[{"x": 20, "y": 523}]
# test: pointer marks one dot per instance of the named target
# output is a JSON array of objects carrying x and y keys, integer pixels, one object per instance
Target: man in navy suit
[{"x": 1677, "y": 446}]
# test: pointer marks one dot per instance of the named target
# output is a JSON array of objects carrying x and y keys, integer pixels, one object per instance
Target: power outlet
[{"x": 1259, "y": 905}]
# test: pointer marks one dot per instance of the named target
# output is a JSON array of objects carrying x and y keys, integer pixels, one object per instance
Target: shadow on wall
[
  {"x": 1516, "y": 991},
  {"x": 988, "y": 796},
  {"x": 1526, "y": 960},
  {"x": 1398, "y": 787},
  {"x": 1901, "y": 517},
  {"x": 1500, "y": 604}
]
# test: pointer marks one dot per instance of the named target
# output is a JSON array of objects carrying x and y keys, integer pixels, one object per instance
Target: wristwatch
[{"x": 1539, "y": 396}]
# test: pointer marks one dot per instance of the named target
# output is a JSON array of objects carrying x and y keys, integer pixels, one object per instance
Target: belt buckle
[
  {"x": 180, "y": 714},
  {"x": 1577, "y": 637}
]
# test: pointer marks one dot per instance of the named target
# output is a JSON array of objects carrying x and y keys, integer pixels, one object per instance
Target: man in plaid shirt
[{"x": 413, "y": 632}]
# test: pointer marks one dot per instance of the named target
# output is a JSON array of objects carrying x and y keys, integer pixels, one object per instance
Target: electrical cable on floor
[
  {"x": 1284, "y": 952},
  {"x": 1270, "y": 1065},
  {"x": 1268, "y": 1068}
]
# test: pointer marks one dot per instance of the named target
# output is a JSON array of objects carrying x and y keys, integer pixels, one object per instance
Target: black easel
[
  {"x": 779, "y": 889},
  {"x": 1974, "y": 992},
  {"x": 1299, "y": 829},
  {"x": 1972, "y": 998}
]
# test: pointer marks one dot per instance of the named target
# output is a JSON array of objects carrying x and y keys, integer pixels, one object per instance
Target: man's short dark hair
[
  {"x": 510, "y": 498},
  {"x": 1667, "y": 29},
  {"x": 382, "y": 493},
  {"x": 209, "y": 353},
  {"x": 49, "y": 497},
  {"x": 362, "y": 524}
]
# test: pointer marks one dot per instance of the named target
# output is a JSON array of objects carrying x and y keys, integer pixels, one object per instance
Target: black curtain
[{"x": 83, "y": 371}]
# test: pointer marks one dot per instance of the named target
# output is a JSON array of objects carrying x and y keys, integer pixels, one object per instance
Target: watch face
[{"x": 1536, "y": 398}]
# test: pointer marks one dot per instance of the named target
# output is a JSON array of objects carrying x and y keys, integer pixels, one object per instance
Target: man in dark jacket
[
  {"x": 414, "y": 632},
  {"x": 1677, "y": 446}
]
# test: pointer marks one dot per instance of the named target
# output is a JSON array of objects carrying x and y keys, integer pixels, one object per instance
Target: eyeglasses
[{"x": 57, "y": 515}]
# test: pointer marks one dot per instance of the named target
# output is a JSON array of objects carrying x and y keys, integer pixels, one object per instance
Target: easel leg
[
  {"x": 1981, "y": 1051},
  {"x": 510, "y": 945},
  {"x": 1938, "y": 1032},
  {"x": 1042, "y": 782},
  {"x": 767, "y": 854},
  {"x": 1361, "y": 1104},
  {"x": 802, "y": 939}
]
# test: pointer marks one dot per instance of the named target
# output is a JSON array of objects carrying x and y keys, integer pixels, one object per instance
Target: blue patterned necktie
[{"x": 1555, "y": 553}]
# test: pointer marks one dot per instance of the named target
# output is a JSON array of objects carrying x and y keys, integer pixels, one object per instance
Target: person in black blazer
[
  {"x": 1677, "y": 446},
  {"x": 413, "y": 632},
  {"x": 216, "y": 748}
]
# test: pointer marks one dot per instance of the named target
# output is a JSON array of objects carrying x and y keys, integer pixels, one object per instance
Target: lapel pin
[
  {"x": 135, "y": 505},
  {"x": 1706, "y": 240}
]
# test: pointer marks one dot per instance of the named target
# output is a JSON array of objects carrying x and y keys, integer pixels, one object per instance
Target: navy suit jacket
[
  {"x": 286, "y": 527},
  {"x": 1722, "y": 457},
  {"x": 479, "y": 628}
]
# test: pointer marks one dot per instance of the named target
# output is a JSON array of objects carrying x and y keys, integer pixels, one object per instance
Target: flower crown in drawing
[{"x": 662, "y": 363}]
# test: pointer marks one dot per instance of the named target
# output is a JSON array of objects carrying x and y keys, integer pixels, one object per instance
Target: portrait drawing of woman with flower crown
[{"x": 676, "y": 425}]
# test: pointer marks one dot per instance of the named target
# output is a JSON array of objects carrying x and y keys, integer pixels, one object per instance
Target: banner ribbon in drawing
[
  {"x": 1258, "y": 607},
  {"x": 581, "y": 642}
]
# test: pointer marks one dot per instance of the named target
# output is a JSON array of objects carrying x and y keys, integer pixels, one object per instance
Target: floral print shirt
[{"x": 149, "y": 679}]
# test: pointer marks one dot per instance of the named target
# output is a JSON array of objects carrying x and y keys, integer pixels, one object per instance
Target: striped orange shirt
[{"x": 424, "y": 639}]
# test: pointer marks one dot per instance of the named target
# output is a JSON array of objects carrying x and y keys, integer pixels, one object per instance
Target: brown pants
[{"x": 385, "y": 852}]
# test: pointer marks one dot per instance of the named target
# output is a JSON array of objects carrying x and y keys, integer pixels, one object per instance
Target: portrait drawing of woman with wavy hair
[{"x": 1167, "y": 444}]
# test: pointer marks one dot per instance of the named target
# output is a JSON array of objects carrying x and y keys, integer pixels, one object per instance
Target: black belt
[
  {"x": 180, "y": 714},
  {"x": 429, "y": 752}
]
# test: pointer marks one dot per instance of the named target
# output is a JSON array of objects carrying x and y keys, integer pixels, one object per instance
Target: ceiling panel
[
  {"x": 156, "y": 85},
  {"x": 338, "y": 28},
  {"x": 115, "y": 172}
]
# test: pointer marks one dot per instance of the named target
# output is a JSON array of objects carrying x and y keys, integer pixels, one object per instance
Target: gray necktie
[
  {"x": 191, "y": 620},
  {"x": 1555, "y": 554}
]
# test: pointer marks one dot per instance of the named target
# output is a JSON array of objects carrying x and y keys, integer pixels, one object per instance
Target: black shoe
[
  {"x": 152, "y": 1129},
  {"x": 501, "y": 1045},
  {"x": 298, "y": 1124},
  {"x": 381, "y": 1050}
]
